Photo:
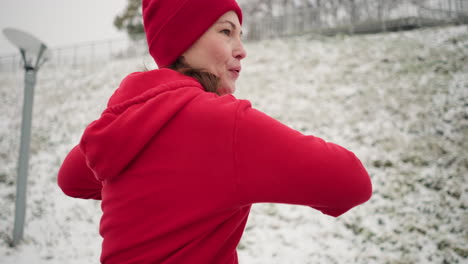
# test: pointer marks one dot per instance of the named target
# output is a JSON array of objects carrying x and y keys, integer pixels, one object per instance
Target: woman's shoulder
[
  {"x": 150, "y": 84},
  {"x": 210, "y": 103},
  {"x": 219, "y": 113}
]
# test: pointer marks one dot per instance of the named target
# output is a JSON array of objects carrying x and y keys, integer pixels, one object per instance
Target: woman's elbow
[
  {"x": 81, "y": 193},
  {"x": 350, "y": 196},
  {"x": 363, "y": 191},
  {"x": 355, "y": 187},
  {"x": 76, "y": 187},
  {"x": 358, "y": 189}
]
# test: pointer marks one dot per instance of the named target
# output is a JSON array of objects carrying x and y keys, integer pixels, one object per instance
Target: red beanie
[{"x": 172, "y": 26}]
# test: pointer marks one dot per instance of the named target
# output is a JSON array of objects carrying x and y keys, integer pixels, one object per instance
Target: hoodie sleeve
[
  {"x": 76, "y": 179},
  {"x": 280, "y": 165}
]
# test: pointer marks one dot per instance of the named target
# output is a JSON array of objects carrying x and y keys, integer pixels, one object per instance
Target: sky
[{"x": 60, "y": 22}]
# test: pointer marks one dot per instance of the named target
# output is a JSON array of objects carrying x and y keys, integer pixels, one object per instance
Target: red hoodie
[{"x": 177, "y": 169}]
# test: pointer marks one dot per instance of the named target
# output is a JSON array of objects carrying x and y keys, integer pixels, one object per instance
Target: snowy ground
[{"x": 398, "y": 100}]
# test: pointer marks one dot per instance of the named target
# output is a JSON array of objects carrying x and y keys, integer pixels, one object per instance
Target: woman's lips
[{"x": 235, "y": 72}]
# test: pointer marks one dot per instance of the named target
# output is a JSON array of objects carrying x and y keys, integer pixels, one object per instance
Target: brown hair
[{"x": 208, "y": 80}]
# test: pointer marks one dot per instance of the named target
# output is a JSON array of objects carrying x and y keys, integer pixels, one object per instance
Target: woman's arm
[
  {"x": 278, "y": 164},
  {"x": 76, "y": 179}
]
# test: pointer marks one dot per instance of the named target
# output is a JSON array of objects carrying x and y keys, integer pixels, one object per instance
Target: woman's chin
[{"x": 226, "y": 89}]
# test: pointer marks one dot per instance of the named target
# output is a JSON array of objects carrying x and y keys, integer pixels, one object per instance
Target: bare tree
[
  {"x": 353, "y": 11},
  {"x": 130, "y": 20}
]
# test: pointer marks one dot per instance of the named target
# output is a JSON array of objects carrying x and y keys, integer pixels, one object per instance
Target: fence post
[
  {"x": 418, "y": 16},
  {"x": 58, "y": 57},
  {"x": 92, "y": 51},
  {"x": 13, "y": 63},
  {"x": 74, "y": 64},
  {"x": 109, "y": 43}
]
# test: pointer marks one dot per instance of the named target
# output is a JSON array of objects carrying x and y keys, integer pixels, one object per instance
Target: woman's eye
[{"x": 226, "y": 32}]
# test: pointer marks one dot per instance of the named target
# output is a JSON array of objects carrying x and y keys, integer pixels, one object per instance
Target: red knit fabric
[
  {"x": 172, "y": 26},
  {"x": 177, "y": 169}
]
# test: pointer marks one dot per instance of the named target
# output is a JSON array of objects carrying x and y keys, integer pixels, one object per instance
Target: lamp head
[{"x": 30, "y": 47}]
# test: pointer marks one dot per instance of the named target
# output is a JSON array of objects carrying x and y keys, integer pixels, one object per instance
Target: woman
[{"x": 178, "y": 161}]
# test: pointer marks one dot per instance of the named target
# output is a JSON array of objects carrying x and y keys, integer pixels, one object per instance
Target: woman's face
[{"x": 220, "y": 51}]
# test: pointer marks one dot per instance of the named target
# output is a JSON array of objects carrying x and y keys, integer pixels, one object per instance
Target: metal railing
[
  {"x": 78, "y": 54},
  {"x": 370, "y": 18},
  {"x": 367, "y": 19}
]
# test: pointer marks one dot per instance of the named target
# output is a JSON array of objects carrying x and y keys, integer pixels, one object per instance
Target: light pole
[{"x": 32, "y": 51}]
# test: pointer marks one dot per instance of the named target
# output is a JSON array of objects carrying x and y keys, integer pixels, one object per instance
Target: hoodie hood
[{"x": 139, "y": 108}]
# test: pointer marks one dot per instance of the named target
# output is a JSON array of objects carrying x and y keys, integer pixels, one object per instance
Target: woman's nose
[{"x": 239, "y": 51}]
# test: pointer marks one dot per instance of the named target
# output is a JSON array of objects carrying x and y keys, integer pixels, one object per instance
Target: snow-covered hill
[{"x": 398, "y": 100}]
